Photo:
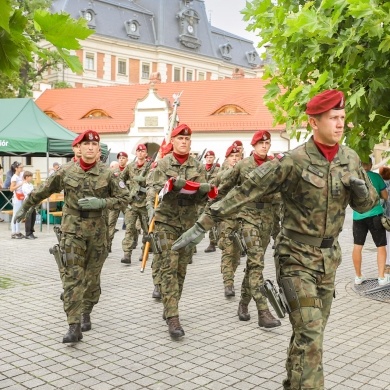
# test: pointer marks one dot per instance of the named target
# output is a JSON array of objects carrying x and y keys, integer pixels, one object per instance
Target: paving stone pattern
[{"x": 129, "y": 347}]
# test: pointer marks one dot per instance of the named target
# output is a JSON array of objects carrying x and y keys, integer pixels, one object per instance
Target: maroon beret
[
  {"x": 209, "y": 153},
  {"x": 122, "y": 154},
  {"x": 141, "y": 147},
  {"x": 182, "y": 130},
  {"x": 231, "y": 149},
  {"x": 77, "y": 140},
  {"x": 261, "y": 135},
  {"x": 88, "y": 135},
  {"x": 237, "y": 143},
  {"x": 328, "y": 100}
]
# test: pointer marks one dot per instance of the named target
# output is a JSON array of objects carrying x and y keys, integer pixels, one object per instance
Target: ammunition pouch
[
  {"x": 239, "y": 240},
  {"x": 276, "y": 298},
  {"x": 292, "y": 299},
  {"x": 154, "y": 242},
  {"x": 251, "y": 238}
]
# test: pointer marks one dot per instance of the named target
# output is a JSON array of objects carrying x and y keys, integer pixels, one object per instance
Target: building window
[
  {"x": 201, "y": 76},
  {"x": 122, "y": 67},
  {"x": 28, "y": 160},
  {"x": 90, "y": 61},
  {"x": 145, "y": 71},
  {"x": 177, "y": 74},
  {"x": 189, "y": 75}
]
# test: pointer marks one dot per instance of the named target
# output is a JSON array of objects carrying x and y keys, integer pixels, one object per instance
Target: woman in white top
[
  {"x": 18, "y": 197},
  {"x": 27, "y": 188}
]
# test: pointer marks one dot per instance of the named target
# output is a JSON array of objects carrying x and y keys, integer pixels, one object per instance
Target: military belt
[
  {"x": 83, "y": 213},
  {"x": 185, "y": 202},
  {"x": 309, "y": 240},
  {"x": 258, "y": 205}
]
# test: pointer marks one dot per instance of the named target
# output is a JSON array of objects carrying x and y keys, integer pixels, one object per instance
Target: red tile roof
[{"x": 198, "y": 102}]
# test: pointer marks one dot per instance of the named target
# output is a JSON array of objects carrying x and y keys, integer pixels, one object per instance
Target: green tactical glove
[
  {"x": 358, "y": 187},
  {"x": 92, "y": 203},
  {"x": 150, "y": 210},
  {"x": 178, "y": 184},
  {"x": 204, "y": 188},
  {"x": 190, "y": 238},
  {"x": 23, "y": 214},
  {"x": 139, "y": 179}
]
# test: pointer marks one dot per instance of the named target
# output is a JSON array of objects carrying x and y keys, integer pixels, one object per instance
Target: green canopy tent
[{"x": 27, "y": 131}]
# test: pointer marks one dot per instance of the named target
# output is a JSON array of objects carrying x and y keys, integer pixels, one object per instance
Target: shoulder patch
[
  {"x": 280, "y": 156},
  {"x": 122, "y": 184}
]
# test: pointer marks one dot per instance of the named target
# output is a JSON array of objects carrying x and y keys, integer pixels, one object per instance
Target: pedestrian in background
[
  {"x": 385, "y": 173},
  {"x": 27, "y": 188},
  {"x": 17, "y": 198}
]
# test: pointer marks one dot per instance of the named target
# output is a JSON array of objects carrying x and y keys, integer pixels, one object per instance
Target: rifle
[
  {"x": 173, "y": 122},
  {"x": 212, "y": 169},
  {"x": 103, "y": 159},
  {"x": 199, "y": 158}
]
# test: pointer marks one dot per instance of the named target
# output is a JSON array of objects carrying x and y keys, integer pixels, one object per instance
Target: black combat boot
[
  {"x": 267, "y": 320},
  {"x": 174, "y": 327},
  {"x": 73, "y": 335},
  {"x": 229, "y": 291},
  {"x": 242, "y": 312},
  {"x": 86, "y": 324},
  {"x": 126, "y": 258},
  {"x": 210, "y": 248},
  {"x": 156, "y": 292}
]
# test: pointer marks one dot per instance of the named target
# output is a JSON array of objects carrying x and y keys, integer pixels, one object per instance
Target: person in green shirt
[{"x": 370, "y": 221}]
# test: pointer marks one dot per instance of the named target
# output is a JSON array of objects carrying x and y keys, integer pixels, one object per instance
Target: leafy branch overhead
[
  {"x": 318, "y": 45},
  {"x": 19, "y": 38}
]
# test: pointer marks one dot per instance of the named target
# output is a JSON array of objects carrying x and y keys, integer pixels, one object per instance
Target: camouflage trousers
[
  {"x": 156, "y": 266},
  {"x": 304, "y": 355},
  {"x": 257, "y": 239},
  {"x": 113, "y": 216},
  {"x": 230, "y": 251},
  {"x": 81, "y": 277},
  {"x": 173, "y": 267},
  {"x": 212, "y": 238},
  {"x": 132, "y": 215}
]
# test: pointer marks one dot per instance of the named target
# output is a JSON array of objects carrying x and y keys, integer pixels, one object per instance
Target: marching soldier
[
  {"x": 231, "y": 251},
  {"x": 211, "y": 172},
  {"x": 181, "y": 182},
  {"x": 317, "y": 181},
  {"x": 113, "y": 215},
  {"x": 135, "y": 178},
  {"x": 89, "y": 189}
]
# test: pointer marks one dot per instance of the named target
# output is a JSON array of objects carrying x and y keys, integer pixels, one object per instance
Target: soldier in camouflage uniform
[
  {"x": 135, "y": 178},
  {"x": 211, "y": 173},
  {"x": 317, "y": 181},
  {"x": 256, "y": 222},
  {"x": 175, "y": 213},
  {"x": 89, "y": 189},
  {"x": 113, "y": 215},
  {"x": 231, "y": 252}
]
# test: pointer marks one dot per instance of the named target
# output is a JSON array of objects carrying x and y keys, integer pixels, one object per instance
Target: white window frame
[
  {"x": 90, "y": 57},
  {"x": 204, "y": 76},
  {"x": 142, "y": 70},
  {"x": 191, "y": 72},
  {"x": 122, "y": 60},
  {"x": 175, "y": 68}
]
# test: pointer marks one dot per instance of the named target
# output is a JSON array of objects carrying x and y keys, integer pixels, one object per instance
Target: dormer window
[
  {"x": 226, "y": 50},
  {"x": 251, "y": 57},
  {"x": 132, "y": 28},
  {"x": 90, "y": 16}
]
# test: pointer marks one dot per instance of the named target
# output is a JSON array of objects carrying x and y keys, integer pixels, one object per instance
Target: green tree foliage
[
  {"x": 318, "y": 45},
  {"x": 24, "y": 25}
]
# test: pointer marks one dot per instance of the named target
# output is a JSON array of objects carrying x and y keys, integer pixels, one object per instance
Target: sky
[{"x": 225, "y": 14}]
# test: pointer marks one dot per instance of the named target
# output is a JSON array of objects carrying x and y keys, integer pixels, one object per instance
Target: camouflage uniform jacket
[
  {"x": 76, "y": 183},
  {"x": 137, "y": 189},
  {"x": 236, "y": 176},
  {"x": 212, "y": 176},
  {"x": 168, "y": 210},
  {"x": 315, "y": 194}
]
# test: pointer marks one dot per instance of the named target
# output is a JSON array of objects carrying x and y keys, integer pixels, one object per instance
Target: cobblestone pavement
[{"x": 129, "y": 346}]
